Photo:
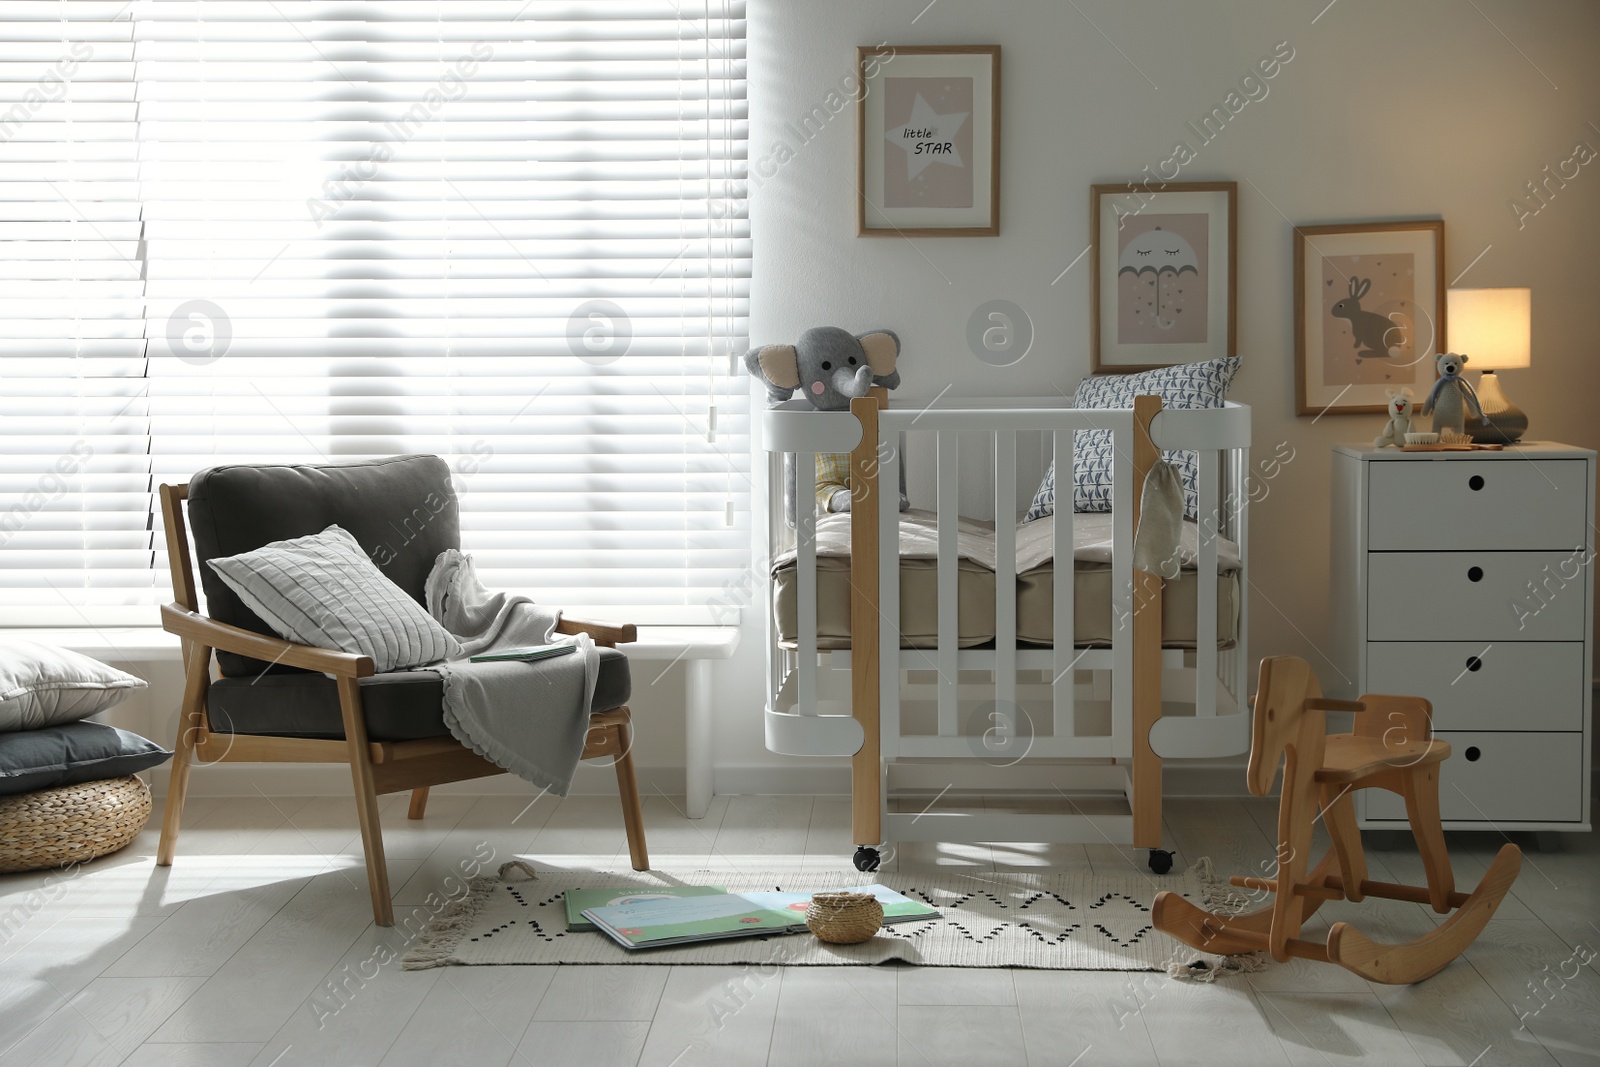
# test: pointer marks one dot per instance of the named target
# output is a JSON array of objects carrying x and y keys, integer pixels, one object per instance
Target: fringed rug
[{"x": 1069, "y": 922}]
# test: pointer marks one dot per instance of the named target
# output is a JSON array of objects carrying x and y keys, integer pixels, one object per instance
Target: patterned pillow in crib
[{"x": 1192, "y": 385}]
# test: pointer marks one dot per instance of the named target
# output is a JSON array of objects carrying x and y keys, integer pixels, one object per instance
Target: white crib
[{"x": 1088, "y": 720}]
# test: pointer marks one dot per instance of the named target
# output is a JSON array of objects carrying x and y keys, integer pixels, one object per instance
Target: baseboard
[{"x": 1219, "y": 779}]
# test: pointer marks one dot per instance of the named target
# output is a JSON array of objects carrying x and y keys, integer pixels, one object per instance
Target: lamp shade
[{"x": 1491, "y": 326}]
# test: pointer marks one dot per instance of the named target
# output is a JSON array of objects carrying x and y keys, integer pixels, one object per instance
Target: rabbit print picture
[
  {"x": 1368, "y": 313},
  {"x": 1369, "y": 320}
]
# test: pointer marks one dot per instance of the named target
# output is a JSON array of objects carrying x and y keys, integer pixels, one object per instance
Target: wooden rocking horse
[{"x": 1392, "y": 748}]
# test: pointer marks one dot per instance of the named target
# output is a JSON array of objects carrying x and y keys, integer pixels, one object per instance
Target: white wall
[{"x": 1386, "y": 111}]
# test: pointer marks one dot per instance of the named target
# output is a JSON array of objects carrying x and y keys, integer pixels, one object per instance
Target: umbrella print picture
[{"x": 1161, "y": 279}]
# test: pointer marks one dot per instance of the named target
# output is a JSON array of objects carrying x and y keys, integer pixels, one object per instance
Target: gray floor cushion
[{"x": 72, "y": 752}]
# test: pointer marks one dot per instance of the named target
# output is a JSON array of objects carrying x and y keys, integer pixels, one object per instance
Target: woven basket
[
  {"x": 844, "y": 918},
  {"x": 57, "y": 827}
]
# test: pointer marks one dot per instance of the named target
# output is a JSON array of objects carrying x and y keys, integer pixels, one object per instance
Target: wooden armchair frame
[{"x": 375, "y": 767}]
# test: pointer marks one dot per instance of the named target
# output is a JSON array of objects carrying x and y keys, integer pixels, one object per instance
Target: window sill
[{"x": 145, "y": 644}]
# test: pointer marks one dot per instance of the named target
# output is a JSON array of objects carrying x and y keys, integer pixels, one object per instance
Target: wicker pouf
[
  {"x": 57, "y": 827},
  {"x": 844, "y": 918}
]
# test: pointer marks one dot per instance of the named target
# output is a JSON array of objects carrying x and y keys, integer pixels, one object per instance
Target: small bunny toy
[
  {"x": 1452, "y": 395},
  {"x": 1394, "y": 433}
]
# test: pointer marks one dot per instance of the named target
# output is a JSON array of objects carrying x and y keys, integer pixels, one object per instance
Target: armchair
[{"x": 274, "y": 701}]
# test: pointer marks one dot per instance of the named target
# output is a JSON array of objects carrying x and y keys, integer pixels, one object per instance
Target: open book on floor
[
  {"x": 580, "y": 899},
  {"x": 678, "y": 920}
]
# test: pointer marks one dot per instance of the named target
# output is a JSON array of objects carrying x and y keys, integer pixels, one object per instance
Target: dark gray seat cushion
[
  {"x": 400, "y": 706},
  {"x": 401, "y": 510}
]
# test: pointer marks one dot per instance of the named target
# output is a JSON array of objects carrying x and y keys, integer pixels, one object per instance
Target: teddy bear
[
  {"x": 1452, "y": 395},
  {"x": 1394, "y": 433}
]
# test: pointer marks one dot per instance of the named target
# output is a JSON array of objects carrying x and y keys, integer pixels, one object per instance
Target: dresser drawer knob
[
  {"x": 1474, "y": 574},
  {"x": 1475, "y": 482},
  {"x": 1472, "y": 754},
  {"x": 1474, "y": 663}
]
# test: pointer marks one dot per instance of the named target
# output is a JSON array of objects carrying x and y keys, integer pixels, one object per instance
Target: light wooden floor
[{"x": 257, "y": 948}]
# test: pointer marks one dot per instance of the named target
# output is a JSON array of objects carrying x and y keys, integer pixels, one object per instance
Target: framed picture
[
  {"x": 928, "y": 141},
  {"x": 1368, "y": 313},
  {"x": 1163, "y": 277}
]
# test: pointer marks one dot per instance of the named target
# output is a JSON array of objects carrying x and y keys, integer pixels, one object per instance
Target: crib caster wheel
[
  {"x": 1160, "y": 860},
  {"x": 866, "y": 858}
]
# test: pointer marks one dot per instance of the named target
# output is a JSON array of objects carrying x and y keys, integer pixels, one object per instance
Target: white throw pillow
[
  {"x": 41, "y": 685},
  {"x": 322, "y": 590}
]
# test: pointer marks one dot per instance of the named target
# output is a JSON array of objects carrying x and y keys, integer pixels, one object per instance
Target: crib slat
[
  {"x": 889, "y": 593},
  {"x": 1210, "y": 524},
  {"x": 1005, "y": 585},
  {"x": 1122, "y": 586},
  {"x": 1239, "y": 533},
  {"x": 949, "y": 512},
  {"x": 805, "y": 514},
  {"x": 1064, "y": 587}
]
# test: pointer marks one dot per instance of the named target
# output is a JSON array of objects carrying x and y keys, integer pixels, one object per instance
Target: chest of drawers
[{"x": 1467, "y": 578}]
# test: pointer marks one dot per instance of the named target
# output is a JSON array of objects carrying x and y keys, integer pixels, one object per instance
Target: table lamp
[{"x": 1492, "y": 327}]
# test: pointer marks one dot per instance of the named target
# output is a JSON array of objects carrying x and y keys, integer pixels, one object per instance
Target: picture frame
[
  {"x": 928, "y": 141},
  {"x": 1142, "y": 286},
  {"x": 1348, "y": 279}
]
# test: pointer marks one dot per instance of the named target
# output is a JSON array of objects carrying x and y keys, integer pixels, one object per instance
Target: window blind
[
  {"x": 509, "y": 233},
  {"x": 75, "y": 534}
]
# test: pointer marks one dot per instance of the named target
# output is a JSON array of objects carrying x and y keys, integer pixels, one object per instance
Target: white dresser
[{"x": 1467, "y": 578}]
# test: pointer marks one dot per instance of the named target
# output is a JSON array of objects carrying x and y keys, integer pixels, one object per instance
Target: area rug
[{"x": 1074, "y": 922}]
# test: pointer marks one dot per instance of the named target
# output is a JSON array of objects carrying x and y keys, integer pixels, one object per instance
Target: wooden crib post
[
  {"x": 1146, "y": 681},
  {"x": 866, "y": 766}
]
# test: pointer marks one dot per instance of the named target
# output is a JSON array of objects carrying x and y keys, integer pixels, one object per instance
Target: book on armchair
[{"x": 527, "y": 652}]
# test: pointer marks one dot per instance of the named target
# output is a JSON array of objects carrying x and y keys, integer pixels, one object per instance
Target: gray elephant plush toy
[
  {"x": 828, "y": 365},
  {"x": 1452, "y": 395}
]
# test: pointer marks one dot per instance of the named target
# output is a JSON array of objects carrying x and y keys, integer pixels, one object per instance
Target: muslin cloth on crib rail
[{"x": 1156, "y": 542}]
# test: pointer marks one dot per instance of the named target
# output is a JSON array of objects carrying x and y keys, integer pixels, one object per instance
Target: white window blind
[
  {"x": 509, "y": 233},
  {"x": 75, "y": 531}
]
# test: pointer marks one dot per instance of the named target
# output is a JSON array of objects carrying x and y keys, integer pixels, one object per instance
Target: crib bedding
[{"x": 975, "y": 622}]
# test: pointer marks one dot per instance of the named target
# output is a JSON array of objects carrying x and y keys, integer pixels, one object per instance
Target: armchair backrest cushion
[{"x": 401, "y": 510}]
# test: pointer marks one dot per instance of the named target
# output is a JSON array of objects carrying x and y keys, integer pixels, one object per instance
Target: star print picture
[
  {"x": 927, "y": 141},
  {"x": 1162, "y": 283},
  {"x": 928, "y": 129}
]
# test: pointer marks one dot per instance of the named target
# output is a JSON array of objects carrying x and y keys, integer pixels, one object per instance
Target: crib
[{"x": 1153, "y": 670}]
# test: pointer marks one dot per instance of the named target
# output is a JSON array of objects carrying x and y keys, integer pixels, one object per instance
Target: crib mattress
[{"x": 1093, "y": 619}]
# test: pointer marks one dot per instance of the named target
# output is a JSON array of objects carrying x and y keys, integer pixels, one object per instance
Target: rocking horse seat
[{"x": 1351, "y": 757}]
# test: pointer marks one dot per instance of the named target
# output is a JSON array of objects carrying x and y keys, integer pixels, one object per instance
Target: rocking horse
[{"x": 1392, "y": 748}]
